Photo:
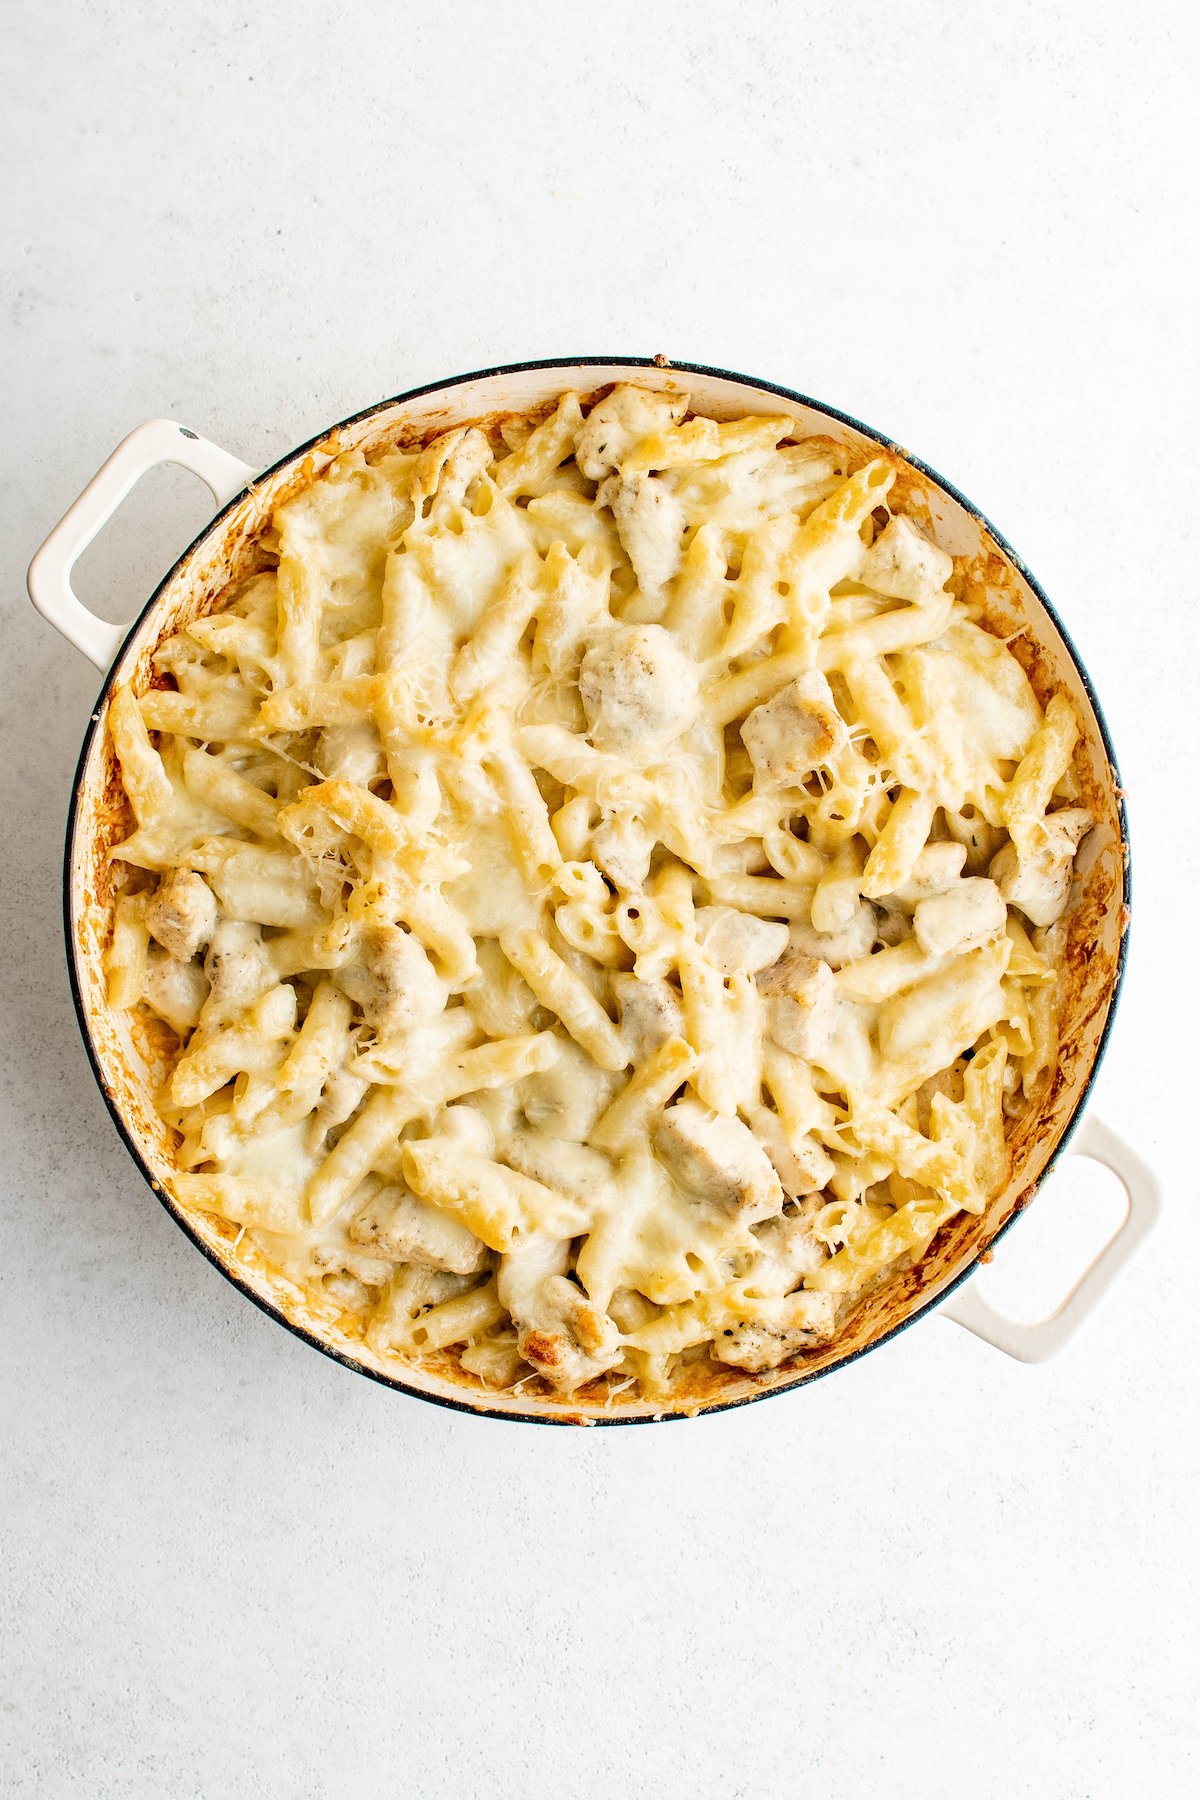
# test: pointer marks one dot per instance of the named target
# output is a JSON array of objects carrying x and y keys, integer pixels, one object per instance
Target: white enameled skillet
[{"x": 245, "y": 498}]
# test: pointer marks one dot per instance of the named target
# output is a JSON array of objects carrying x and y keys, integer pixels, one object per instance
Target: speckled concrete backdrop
[{"x": 232, "y": 1569}]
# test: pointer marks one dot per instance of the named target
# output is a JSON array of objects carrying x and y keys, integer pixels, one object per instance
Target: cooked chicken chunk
[
  {"x": 394, "y": 982},
  {"x": 791, "y": 1243},
  {"x": 347, "y": 1290},
  {"x": 838, "y": 947},
  {"x": 650, "y": 523},
  {"x": 1039, "y": 882},
  {"x": 801, "y": 1163},
  {"x": 560, "y": 1332},
  {"x": 801, "y": 999},
  {"x": 794, "y": 733},
  {"x": 573, "y": 1169},
  {"x": 938, "y": 866},
  {"x": 772, "y": 1330},
  {"x": 966, "y": 914},
  {"x": 737, "y": 942},
  {"x": 236, "y": 966},
  {"x": 182, "y": 916},
  {"x": 718, "y": 1158},
  {"x": 903, "y": 564},
  {"x": 176, "y": 991},
  {"x": 396, "y": 1225},
  {"x": 621, "y": 420},
  {"x": 567, "y": 1339},
  {"x": 640, "y": 691},
  {"x": 651, "y": 1012},
  {"x": 838, "y": 895}
]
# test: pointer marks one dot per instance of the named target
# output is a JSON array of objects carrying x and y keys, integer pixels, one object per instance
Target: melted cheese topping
[{"x": 595, "y": 854}]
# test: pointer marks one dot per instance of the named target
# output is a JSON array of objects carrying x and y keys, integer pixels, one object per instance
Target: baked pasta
[{"x": 601, "y": 881}]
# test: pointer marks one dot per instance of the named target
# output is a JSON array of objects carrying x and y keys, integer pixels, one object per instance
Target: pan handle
[
  {"x": 1038, "y": 1341},
  {"x": 157, "y": 441}
]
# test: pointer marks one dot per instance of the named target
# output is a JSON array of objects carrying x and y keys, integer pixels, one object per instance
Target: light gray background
[{"x": 234, "y": 1569}]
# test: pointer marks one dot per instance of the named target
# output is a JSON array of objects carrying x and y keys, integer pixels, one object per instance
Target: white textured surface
[{"x": 232, "y": 1568}]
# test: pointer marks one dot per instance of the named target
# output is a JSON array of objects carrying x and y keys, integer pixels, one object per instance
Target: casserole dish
[{"x": 227, "y": 551}]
